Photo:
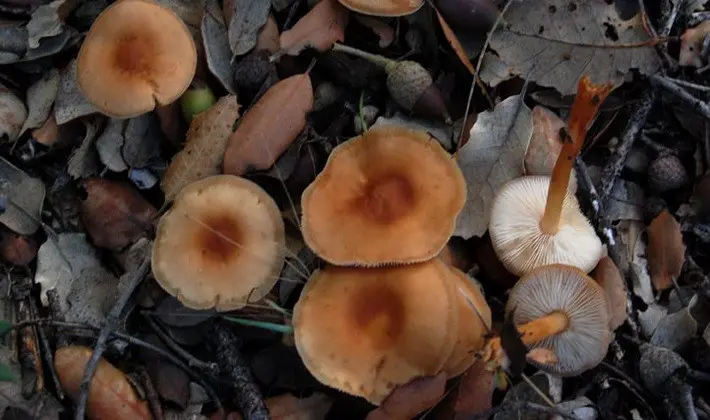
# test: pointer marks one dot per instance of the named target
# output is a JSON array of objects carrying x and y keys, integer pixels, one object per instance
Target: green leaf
[{"x": 6, "y": 375}]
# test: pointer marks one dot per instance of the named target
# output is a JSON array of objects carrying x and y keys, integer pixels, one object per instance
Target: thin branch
[
  {"x": 698, "y": 106},
  {"x": 210, "y": 368}
]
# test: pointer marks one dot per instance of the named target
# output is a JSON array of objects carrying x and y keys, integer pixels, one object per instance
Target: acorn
[
  {"x": 196, "y": 99},
  {"x": 667, "y": 173},
  {"x": 410, "y": 85}
]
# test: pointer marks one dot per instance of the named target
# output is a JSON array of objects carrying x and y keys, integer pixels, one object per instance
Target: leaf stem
[{"x": 377, "y": 59}]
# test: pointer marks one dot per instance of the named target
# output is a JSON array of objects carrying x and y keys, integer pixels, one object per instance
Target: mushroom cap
[
  {"x": 365, "y": 331},
  {"x": 391, "y": 195},
  {"x": 221, "y": 245},
  {"x": 384, "y": 8},
  {"x": 515, "y": 232},
  {"x": 474, "y": 323},
  {"x": 137, "y": 54},
  {"x": 566, "y": 289}
]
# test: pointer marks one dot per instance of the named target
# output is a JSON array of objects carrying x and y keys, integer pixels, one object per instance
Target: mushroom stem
[
  {"x": 586, "y": 104},
  {"x": 377, "y": 59}
]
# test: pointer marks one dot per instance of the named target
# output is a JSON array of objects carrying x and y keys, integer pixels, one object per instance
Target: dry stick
[
  {"x": 152, "y": 395},
  {"x": 47, "y": 352},
  {"x": 698, "y": 106},
  {"x": 246, "y": 393},
  {"x": 210, "y": 368},
  {"x": 112, "y": 322}
]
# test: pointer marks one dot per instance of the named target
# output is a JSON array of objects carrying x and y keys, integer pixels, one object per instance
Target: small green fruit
[{"x": 196, "y": 100}]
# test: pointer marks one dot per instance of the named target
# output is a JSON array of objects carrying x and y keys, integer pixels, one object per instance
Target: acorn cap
[
  {"x": 391, "y": 195},
  {"x": 221, "y": 245},
  {"x": 137, "y": 55},
  {"x": 383, "y": 8},
  {"x": 474, "y": 323},
  {"x": 516, "y": 236},
  {"x": 567, "y": 290},
  {"x": 365, "y": 331}
]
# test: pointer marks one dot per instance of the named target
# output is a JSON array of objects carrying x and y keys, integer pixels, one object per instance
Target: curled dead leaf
[
  {"x": 110, "y": 393},
  {"x": 114, "y": 213},
  {"x": 270, "y": 126},
  {"x": 204, "y": 149},
  {"x": 666, "y": 251},
  {"x": 545, "y": 144},
  {"x": 269, "y": 36},
  {"x": 410, "y": 399},
  {"x": 318, "y": 29},
  {"x": 609, "y": 278}
]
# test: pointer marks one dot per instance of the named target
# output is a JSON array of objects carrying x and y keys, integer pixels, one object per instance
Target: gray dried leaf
[
  {"x": 69, "y": 265},
  {"x": 493, "y": 156},
  {"x": 217, "y": 51},
  {"x": 675, "y": 330},
  {"x": 650, "y": 318},
  {"x": 71, "y": 103},
  {"x": 13, "y": 43},
  {"x": 555, "y": 42},
  {"x": 141, "y": 140},
  {"x": 248, "y": 18},
  {"x": 23, "y": 196},
  {"x": 12, "y": 114},
  {"x": 45, "y": 23},
  {"x": 190, "y": 11},
  {"x": 52, "y": 45},
  {"x": 109, "y": 144},
  {"x": 40, "y": 98},
  {"x": 626, "y": 201},
  {"x": 441, "y": 131},
  {"x": 84, "y": 161}
]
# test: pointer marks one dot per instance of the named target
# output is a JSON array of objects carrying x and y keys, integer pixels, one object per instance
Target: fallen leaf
[
  {"x": 545, "y": 144},
  {"x": 40, "y": 98},
  {"x": 114, "y": 213},
  {"x": 190, "y": 11},
  {"x": 650, "y": 318},
  {"x": 609, "y": 278},
  {"x": 675, "y": 330},
  {"x": 170, "y": 381},
  {"x": 14, "y": 43},
  {"x": 691, "y": 45},
  {"x": 270, "y": 126},
  {"x": 142, "y": 136},
  {"x": 319, "y": 28},
  {"x": 379, "y": 27},
  {"x": 475, "y": 393},
  {"x": 455, "y": 43},
  {"x": 109, "y": 145},
  {"x": 247, "y": 19},
  {"x": 48, "y": 133},
  {"x": 45, "y": 23},
  {"x": 216, "y": 44},
  {"x": 493, "y": 156},
  {"x": 288, "y": 407},
  {"x": 12, "y": 114},
  {"x": 269, "y": 38},
  {"x": 554, "y": 43},
  {"x": 440, "y": 130},
  {"x": 83, "y": 162},
  {"x": 24, "y": 196},
  {"x": 110, "y": 393},
  {"x": 542, "y": 356},
  {"x": 16, "y": 249},
  {"x": 666, "y": 251},
  {"x": 626, "y": 201},
  {"x": 410, "y": 399},
  {"x": 71, "y": 103},
  {"x": 204, "y": 150}
]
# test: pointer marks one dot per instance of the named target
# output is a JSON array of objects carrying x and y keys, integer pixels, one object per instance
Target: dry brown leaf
[
  {"x": 666, "y": 251},
  {"x": 48, "y": 133},
  {"x": 545, "y": 144},
  {"x": 204, "y": 149},
  {"x": 542, "y": 356},
  {"x": 319, "y": 28},
  {"x": 691, "y": 45},
  {"x": 379, "y": 27},
  {"x": 110, "y": 394},
  {"x": 455, "y": 43},
  {"x": 269, "y": 36},
  {"x": 16, "y": 249},
  {"x": 609, "y": 278},
  {"x": 270, "y": 126},
  {"x": 114, "y": 213},
  {"x": 475, "y": 392},
  {"x": 410, "y": 399},
  {"x": 288, "y": 407}
]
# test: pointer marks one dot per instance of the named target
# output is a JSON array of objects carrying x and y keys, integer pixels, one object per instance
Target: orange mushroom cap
[
  {"x": 474, "y": 324},
  {"x": 385, "y": 8},
  {"x": 221, "y": 245},
  {"x": 391, "y": 195},
  {"x": 365, "y": 331},
  {"x": 137, "y": 55}
]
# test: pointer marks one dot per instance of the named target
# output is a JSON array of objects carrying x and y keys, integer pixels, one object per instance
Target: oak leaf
[
  {"x": 319, "y": 28},
  {"x": 410, "y": 399},
  {"x": 666, "y": 251},
  {"x": 609, "y": 278}
]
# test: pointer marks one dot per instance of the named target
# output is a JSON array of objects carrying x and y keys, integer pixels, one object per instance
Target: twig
[
  {"x": 112, "y": 322},
  {"x": 698, "y": 106},
  {"x": 247, "y": 394},
  {"x": 152, "y": 395},
  {"x": 690, "y": 85},
  {"x": 47, "y": 352},
  {"x": 207, "y": 367}
]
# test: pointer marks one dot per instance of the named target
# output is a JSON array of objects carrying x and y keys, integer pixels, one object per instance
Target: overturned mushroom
[
  {"x": 137, "y": 55},
  {"x": 560, "y": 308},
  {"x": 365, "y": 331},
  {"x": 388, "y": 196},
  {"x": 221, "y": 245}
]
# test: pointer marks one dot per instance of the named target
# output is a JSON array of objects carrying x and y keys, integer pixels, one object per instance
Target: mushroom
[
  {"x": 474, "y": 324},
  {"x": 137, "y": 55},
  {"x": 559, "y": 308},
  {"x": 366, "y": 331},
  {"x": 221, "y": 245},
  {"x": 389, "y": 196},
  {"x": 384, "y": 8},
  {"x": 536, "y": 220}
]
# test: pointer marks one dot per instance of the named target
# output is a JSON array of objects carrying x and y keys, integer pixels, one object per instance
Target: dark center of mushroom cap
[
  {"x": 133, "y": 55},
  {"x": 377, "y": 313},
  {"x": 220, "y": 238},
  {"x": 386, "y": 198}
]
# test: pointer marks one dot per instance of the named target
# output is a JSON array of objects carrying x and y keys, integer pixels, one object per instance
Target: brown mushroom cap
[
  {"x": 388, "y": 196},
  {"x": 389, "y": 8},
  {"x": 474, "y": 324},
  {"x": 568, "y": 290},
  {"x": 520, "y": 243},
  {"x": 137, "y": 54},
  {"x": 365, "y": 331},
  {"x": 221, "y": 245}
]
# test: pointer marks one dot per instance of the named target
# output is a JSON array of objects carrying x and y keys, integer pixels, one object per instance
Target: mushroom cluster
[{"x": 385, "y": 309}]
